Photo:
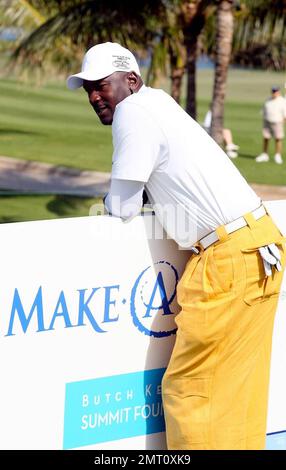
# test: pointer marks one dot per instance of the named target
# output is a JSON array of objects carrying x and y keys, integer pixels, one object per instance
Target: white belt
[
  {"x": 231, "y": 227},
  {"x": 270, "y": 254}
]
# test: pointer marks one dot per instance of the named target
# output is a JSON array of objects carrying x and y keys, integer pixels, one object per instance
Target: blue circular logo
[{"x": 151, "y": 300}]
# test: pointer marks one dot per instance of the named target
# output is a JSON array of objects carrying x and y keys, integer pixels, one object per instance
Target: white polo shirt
[
  {"x": 191, "y": 183},
  {"x": 274, "y": 109}
]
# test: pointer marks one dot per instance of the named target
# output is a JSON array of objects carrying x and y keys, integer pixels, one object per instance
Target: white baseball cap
[{"x": 102, "y": 60}]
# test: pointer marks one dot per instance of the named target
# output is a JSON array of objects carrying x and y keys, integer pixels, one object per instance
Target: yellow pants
[{"x": 215, "y": 389}]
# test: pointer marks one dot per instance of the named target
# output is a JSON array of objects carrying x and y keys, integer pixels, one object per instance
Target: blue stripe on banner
[
  {"x": 276, "y": 441},
  {"x": 112, "y": 408}
]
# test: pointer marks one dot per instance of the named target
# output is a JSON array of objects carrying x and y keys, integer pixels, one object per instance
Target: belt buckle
[{"x": 195, "y": 250}]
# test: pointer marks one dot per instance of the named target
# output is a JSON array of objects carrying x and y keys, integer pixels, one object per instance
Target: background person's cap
[
  {"x": 275, "y": 88},
  {"x": 102, "y": 60}
]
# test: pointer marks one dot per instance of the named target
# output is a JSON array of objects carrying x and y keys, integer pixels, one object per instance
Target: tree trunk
[
  {"x": 191, "y": 105},
  {"x": 176, "y": 83},
  {"x": 177, "y": 63},
  {"x": 194, "y": 20},
  {"x": 224, "y": 34}
]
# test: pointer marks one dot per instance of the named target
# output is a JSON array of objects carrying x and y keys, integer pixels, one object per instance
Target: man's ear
[{"x": 133, "y": 81}]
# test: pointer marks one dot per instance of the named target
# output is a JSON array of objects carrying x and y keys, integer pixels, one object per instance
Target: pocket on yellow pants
[
  {"x": 219, "y": 269},
  {"x": 186, "y": 386},
  {"x": 258, "y": 286},
  {"x": 186, "y": 408}
]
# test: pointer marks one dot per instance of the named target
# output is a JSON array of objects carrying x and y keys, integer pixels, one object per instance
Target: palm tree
[
  {"x": 259, "y": 34},
  {"x": 168, "y": 53},
  {"x": 71, "y": 26},
  {"x": 168, "y": 28},
  {"x": 223, "y": 45},
  {"x": 180, "y": 25},
  {"x": 194, "y": 20}
]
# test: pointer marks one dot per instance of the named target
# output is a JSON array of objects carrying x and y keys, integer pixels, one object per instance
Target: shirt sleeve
[
  {"x": 125, "y": 198},
  {"x": 139, "y": 144}
]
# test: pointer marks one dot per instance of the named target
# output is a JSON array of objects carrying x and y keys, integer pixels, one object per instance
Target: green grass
[
  {"x": 54, "y": 125},
  {"x": 246, "y": 92},
  {"x": 39, "y": 207}
]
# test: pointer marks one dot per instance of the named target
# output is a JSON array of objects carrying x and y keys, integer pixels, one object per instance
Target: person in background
[
  {"x": 230, "y": 148},
  {"x": 274, "y": 115}
]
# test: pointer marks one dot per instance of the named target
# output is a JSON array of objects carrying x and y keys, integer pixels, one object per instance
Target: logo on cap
[{"x": 121, "y": 62}]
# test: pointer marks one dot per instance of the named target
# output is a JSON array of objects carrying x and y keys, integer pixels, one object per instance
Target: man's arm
[{"x": 125, "y": 198}]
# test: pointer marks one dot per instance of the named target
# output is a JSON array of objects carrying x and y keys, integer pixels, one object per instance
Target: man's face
[{"x": 106, "y": 93}]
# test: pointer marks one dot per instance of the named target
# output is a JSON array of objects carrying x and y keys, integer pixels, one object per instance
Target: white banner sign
[{"x": 87, "y": 328}]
